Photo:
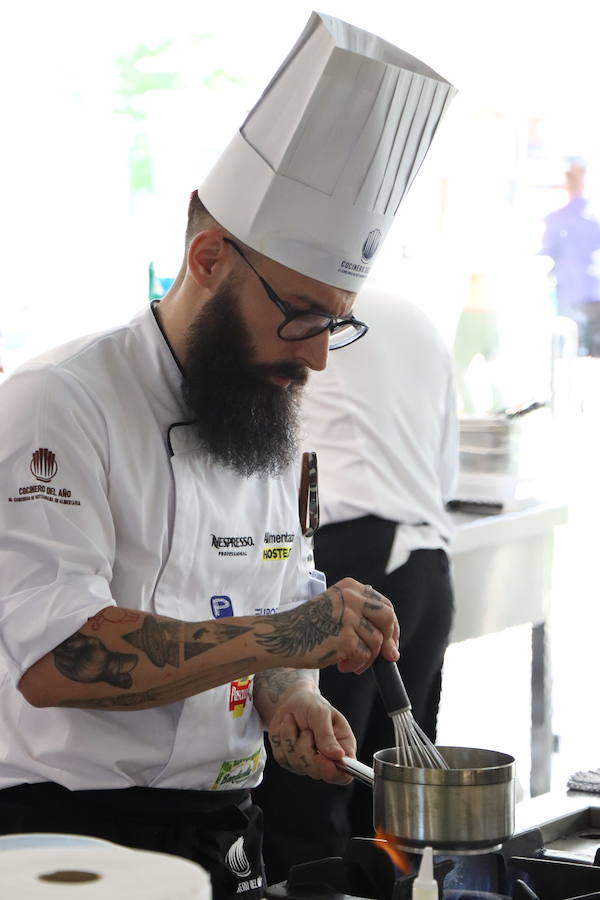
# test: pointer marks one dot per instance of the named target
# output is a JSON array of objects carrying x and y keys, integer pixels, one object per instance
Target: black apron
[{"x": 221, "y": 831}]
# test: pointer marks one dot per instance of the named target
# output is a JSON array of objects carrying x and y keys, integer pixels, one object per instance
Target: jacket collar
[{"x": 158, "y": 368}]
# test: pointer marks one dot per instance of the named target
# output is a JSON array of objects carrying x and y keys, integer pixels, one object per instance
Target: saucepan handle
[{"x": 357, "y": 769}]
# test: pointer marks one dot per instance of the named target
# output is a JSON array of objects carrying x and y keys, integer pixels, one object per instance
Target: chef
[{"x": 158, "y": 607}]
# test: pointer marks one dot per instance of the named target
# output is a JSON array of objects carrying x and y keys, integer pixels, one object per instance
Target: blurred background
[{"x": 114, "y": 112}]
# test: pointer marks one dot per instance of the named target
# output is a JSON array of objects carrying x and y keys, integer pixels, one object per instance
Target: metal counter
[{"x": 502, "y": 569}]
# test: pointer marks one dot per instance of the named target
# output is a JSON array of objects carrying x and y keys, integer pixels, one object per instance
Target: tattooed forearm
[
  {"x": 276, "y": 682},
  {"x": 158, "y": 640},
  {"x": 301, "y": 630},
  {"x": 86, "y": 659},
  {"x": 165, "y": 642},
  {"x": 166, "y": 693}
]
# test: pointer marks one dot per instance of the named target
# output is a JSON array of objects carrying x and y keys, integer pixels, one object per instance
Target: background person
[
  {"x": 382, "y": 419},
  {"x": 572, "y": 240}
]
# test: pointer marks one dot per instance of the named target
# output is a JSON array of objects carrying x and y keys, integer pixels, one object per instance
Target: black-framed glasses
[{"x": 300, "y": 324}]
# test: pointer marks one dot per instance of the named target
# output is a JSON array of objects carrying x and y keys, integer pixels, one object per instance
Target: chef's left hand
[{"x": 307, "y": 735}]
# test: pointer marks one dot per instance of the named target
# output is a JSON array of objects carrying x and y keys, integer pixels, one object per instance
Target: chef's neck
[{"x": 176, "y": 312}]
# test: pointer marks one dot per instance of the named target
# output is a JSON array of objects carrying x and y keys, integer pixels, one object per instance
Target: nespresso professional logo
[
  {"x": 43, "y": 464},
  {"x": 220, "y": 542}
]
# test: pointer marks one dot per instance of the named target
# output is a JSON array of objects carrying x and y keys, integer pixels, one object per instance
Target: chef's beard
[{"x": 242, "y": 419}]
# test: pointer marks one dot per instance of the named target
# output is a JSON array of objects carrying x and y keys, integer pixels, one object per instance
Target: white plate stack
[{"x": 489, "y": 458}]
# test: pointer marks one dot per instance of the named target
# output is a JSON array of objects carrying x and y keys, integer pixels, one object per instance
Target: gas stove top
[{"x": 556, "y": 859}]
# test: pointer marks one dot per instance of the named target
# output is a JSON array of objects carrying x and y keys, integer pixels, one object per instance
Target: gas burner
[{"x": 524, "y": 869}]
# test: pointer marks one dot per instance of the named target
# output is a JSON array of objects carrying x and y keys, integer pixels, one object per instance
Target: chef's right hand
[{"x": 349, "y": 624}]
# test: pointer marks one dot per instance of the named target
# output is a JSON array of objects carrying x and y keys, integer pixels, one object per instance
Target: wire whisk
[{"x": 413, "y": 747}]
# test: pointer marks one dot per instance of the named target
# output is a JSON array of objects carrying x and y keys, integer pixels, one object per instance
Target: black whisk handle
[{"x": 391, "y": 687}]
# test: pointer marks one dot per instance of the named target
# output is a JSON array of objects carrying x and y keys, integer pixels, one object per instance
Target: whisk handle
[{"x": 390, "y": 685}]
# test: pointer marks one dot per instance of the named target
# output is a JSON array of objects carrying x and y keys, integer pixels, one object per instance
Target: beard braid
[{"x": 243, "y": 421}]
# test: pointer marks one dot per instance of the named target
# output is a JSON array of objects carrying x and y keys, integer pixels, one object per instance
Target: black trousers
[
  {"x": 586, "y": 314},
  {"x": 307, "y": 819},
  {"x": 198, "y": 825}
]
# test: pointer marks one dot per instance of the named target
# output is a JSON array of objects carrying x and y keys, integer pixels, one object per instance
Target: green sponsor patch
[{"x": 236, "y": 771}]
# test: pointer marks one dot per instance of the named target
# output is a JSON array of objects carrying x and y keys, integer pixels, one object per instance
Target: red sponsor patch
[{"x": 239, "y": 692}]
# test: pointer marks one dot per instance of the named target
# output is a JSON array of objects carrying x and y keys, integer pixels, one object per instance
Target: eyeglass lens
[{"x": 312, "y": 324}]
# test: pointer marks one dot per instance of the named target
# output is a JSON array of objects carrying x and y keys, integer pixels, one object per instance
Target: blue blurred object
[{"x": 157, "y": 286}]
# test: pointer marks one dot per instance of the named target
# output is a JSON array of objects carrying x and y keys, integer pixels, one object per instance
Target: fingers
[
  {"x": 372, "y": 600},
  {"x": 284, "y": 739},
  {"x": 314, "y": 749},
  {"x": 369, "y": 626},
  {"x": 295, "y": 750}
]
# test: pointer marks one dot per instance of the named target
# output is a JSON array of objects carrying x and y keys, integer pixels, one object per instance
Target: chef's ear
[{"x": 208, "y": 259}]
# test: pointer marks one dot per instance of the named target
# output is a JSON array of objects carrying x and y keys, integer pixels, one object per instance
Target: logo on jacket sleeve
[
  {"x": 43, "y": 465},
  {"x": 239, "y": 694}
]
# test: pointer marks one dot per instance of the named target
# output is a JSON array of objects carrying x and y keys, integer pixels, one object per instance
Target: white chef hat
[{"x": 316, "y": 173}]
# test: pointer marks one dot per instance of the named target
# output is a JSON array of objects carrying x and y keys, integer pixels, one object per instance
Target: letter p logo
[{"x": 221, "y": 606}]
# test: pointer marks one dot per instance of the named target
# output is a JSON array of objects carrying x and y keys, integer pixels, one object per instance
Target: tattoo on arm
[
  {"x": 301, "y": 630},
  {"x": 114, "y": 615},
  {"x": 276, "y": 681},
  {"x": 158, "y": 640},
  {"x": 166, "y": 693},
  {"x": 86, "y": 659},
  {"x": 161, "y": 641}
]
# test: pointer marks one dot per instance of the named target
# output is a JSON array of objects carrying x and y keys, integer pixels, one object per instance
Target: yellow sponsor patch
[{"x": 276, "y": 552}]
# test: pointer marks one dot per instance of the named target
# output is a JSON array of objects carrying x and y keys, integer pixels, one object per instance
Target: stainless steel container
[{"x": 469, "y": 808}]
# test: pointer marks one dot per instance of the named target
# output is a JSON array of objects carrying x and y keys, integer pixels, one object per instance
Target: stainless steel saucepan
[{"x": 468, "y": 808}]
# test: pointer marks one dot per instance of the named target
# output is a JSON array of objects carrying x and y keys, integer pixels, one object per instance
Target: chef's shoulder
[{"x": 60, "y": 387}]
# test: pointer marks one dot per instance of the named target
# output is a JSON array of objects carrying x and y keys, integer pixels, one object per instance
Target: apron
[{"x": 220, "y": 832}]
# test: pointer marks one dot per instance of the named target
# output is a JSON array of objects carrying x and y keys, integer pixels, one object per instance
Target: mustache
[{"x": 297, "y": 373}]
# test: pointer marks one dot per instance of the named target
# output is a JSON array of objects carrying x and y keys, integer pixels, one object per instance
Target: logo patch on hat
[{"x": 371, "y": 244}]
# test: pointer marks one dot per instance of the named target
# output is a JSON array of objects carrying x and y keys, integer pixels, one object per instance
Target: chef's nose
[{"x": 313, "y": 352}]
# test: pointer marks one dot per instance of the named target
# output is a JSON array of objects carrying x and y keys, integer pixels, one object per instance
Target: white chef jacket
[
  {"x": 382, "y": 419},
  {"x": 108, "y": 500}
]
